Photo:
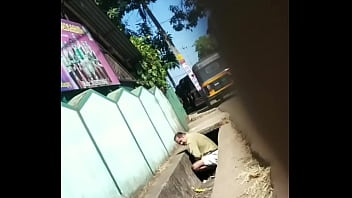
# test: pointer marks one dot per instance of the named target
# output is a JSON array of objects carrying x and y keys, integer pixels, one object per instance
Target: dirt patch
[
  {"x": 240, "y": 172},
  {"x": 259, "y": 178},
  {"x": 268, "y": 142}
]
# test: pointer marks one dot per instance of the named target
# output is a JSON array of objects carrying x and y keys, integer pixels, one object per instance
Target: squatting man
[{"x": 203, "y": 149}]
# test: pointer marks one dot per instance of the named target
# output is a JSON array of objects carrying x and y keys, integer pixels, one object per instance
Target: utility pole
[{"x": 177, "y": 54}]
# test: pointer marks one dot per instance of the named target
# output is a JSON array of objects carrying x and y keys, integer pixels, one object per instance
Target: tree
[
  {"x": 116, "y": 10},
  {"x": 205, "y": 45},
  {"x": 150, "y": 70},
  {"x": 167, "y": 57},
  {"x": 187, "y": 14}
]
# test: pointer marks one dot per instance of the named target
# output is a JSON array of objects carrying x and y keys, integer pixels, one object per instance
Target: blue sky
[{"x": 183, "y": 40}]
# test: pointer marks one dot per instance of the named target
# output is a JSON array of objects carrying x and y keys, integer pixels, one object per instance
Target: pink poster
[{"x": 83, "y": 65}]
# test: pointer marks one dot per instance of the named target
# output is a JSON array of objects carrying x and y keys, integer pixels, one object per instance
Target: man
[{"x": 203, "y": 149}]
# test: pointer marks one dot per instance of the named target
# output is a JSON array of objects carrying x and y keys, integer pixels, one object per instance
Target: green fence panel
[{"x": 178, "y": 108}]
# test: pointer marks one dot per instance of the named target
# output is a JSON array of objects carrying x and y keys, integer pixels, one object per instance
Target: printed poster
[{"x": 83, "y": 65}]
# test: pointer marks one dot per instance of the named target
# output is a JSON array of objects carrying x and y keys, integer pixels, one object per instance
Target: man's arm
[{"x": 194, "y": 150}]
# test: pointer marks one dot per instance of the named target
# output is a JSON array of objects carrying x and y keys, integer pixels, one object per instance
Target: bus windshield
[{"x": 209, "y": 71}]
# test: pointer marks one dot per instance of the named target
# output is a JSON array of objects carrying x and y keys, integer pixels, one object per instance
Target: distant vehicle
[
  {"x": 214, "y": 76},
  {"x": 190, "y": 98},
  {"x": 215, "y": 79}
]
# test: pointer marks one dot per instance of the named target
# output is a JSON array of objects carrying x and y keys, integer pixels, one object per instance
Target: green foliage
[
  {"x": 167, "y": 56},
  {"x": 151, "y": 71},
  {"x": 187, "y": 14},
  {"x": 116, "y": 10},
  {"x": 205, "y": 45}
]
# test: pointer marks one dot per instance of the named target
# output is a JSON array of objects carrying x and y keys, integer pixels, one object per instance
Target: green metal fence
[{"x": 178, "y": 108}]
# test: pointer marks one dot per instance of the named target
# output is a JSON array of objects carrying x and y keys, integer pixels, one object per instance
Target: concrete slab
[
  {"x": 208, "y": 121},
  {"x": 174, "y": 179}
]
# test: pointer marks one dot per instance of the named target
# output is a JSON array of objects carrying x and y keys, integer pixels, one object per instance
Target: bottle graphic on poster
[
  {"x": 99, "y": 69},
  {"x": 99, "y": 66},
  {"x": 82, "y": 49},
  {"x": 85, "y": 62},
  {"x": 81, "y": 68},
  {"x": 76, "y": 46},
  {"x": 67, "y": 61},
  {"x": 102, "y": 70},
  {"x": 85, "y": 47},
  {"x": 69, "y": 70},
  {"x": 90, "y": 67},
  {"x": 76, "y": 67},
  {"x": 92, "y": 57},
  {"x": 85, "y": 68},
  {"x": 78, "y": 52}
]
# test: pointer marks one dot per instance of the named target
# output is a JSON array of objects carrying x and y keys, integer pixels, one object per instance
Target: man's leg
[
  {"x": 199, "y": 166},
  {"x": 206, "y": 162}
]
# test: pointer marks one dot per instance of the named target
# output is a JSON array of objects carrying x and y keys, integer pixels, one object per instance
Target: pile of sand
[{"x": 259, "y": 177}]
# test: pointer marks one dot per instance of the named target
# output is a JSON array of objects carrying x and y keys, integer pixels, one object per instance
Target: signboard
[
  {"x": 83, "y": 65},
  {"x": 189, "y": 71}
]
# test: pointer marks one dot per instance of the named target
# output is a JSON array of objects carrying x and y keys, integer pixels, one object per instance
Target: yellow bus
[{"x": 214, "y": 77}]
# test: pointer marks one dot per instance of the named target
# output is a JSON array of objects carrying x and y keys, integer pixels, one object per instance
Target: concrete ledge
[
  {"x": 232, "y": 148},
  {"x": 174, "y": 180},
  {"x": 209, "y": 121},
  {"x": 195, "y": 116}
]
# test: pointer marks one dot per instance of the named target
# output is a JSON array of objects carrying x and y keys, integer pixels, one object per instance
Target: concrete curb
[
  {"x": 174, "y": 180},
  {"x": 231, "y": 150},
  {"x": 195, "y": 116},
  {"x": 212, "y": 120}
]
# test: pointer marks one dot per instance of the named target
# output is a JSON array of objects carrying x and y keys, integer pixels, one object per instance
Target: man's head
[{"x": 180, "y": 138}]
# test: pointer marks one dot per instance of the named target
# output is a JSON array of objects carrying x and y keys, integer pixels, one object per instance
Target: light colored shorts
[{"x": 211, "y": 158}]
